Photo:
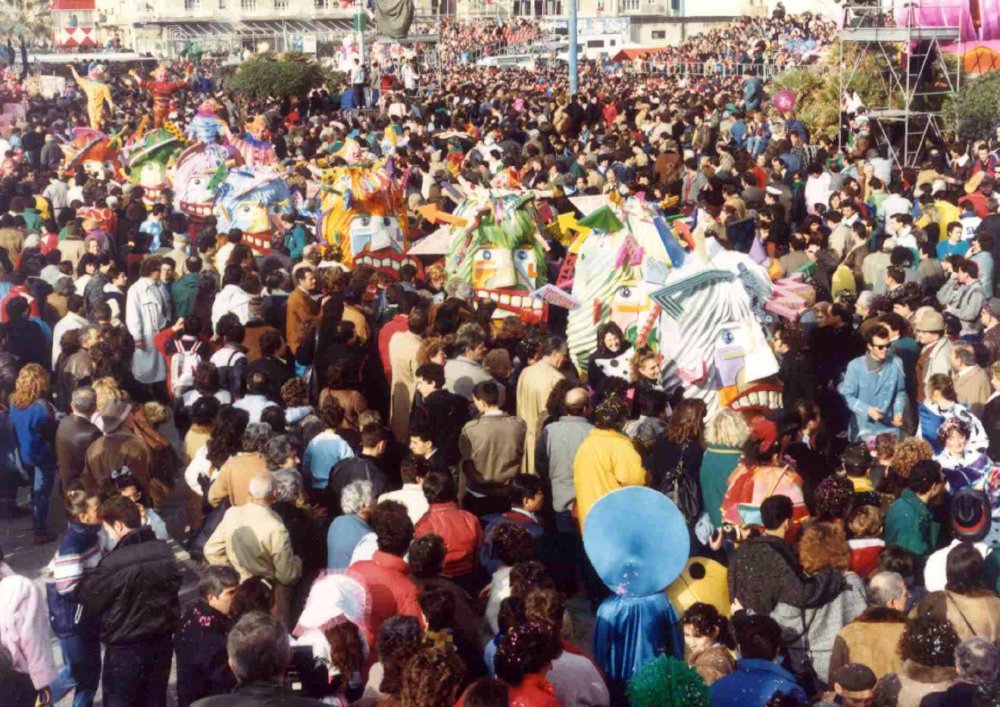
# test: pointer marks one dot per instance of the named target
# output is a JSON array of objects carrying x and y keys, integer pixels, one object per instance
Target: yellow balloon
[{"x": 703, "y": 580}]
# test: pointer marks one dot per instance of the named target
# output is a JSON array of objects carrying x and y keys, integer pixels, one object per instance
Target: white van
[{"x": 526, "y": 61}]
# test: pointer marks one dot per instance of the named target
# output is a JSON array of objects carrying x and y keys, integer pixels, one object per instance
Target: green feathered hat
[{"x": 667, "y": 682}]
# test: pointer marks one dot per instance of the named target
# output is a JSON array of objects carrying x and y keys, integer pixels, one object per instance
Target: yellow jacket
[{"x": 606, "y": 461}]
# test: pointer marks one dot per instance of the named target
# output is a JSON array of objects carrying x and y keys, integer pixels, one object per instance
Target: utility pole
[{"x": 573, "y": 77}]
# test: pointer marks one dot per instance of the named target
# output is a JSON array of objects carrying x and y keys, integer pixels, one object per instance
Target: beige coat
[
  {"x": 972, "y": 387},
  {"x": 533, "y": 388},
  {"x": 253, "y": 540},
  {"x": 403, "y": 348},
  {"x": 976, "y": 614},
  {"x": 233, "y": 481},
  {"x": 917, "y": 681}
]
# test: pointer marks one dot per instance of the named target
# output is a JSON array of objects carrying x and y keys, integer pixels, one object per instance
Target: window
[
  {"x": 280, "y": 4},
  {"x": 248, "y": 5},
  {"x": 675, "y": 5},
  {"x": 595, "y": 44},
  {"x": 222, "y": 4},
  {"x": 190, "y": 5},
  {"x": 321, "y": 4},
  {"x": 659, "y": 34}
]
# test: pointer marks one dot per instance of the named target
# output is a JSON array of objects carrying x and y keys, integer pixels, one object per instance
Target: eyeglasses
[{"x": 879, "y": 347}]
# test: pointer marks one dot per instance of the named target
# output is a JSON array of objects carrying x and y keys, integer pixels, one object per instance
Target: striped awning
[{"x": 257, "y": 28}]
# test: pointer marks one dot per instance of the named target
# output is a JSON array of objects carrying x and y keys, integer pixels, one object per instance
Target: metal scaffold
[{"x": 918, "y": 76}]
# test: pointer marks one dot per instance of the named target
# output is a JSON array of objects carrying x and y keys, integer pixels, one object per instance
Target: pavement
[{"x": 32, "y": 561}]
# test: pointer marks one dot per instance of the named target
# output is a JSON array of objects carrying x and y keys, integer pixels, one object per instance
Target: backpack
[{"x": 182, "y": 366}]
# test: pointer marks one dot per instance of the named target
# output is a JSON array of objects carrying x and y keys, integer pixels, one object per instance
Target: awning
[
  {"x": 76, "y": 37},
  {"x": 82, "y": 5},
  {"x": 257, "y": 29},
  {"x": 630, "y": 53}
]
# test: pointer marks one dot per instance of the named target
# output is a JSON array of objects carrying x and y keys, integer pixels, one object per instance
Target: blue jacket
[
  {"x": 35, "y": 429},
  {"x": 883, "y": 388},
  {"x": 754, "y": 682}
]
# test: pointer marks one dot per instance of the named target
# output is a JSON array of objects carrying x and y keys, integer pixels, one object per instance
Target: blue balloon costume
[{"x": 638, "y": 543}]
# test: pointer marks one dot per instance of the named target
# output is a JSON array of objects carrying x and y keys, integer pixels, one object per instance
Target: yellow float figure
[{"x": 98, "y": 92}]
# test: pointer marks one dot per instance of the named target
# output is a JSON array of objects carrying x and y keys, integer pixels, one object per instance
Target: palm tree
[{"x": 31, "y": 19}]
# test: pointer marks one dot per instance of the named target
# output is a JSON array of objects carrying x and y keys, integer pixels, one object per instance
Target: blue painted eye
[
  {"x": 487, "y": 255},
  {"x": 522, "y": 254},
  {"x": 625, "y": 291},
  {"x": 727, "y": 336}
]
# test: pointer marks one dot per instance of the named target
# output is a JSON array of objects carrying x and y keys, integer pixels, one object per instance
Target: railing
[{"x": 701, "y": 69}]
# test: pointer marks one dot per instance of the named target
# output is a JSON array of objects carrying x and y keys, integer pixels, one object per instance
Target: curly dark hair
[
  {"x": 525, "y": 576},
  {"x": 394, "y": 530},
  {"x": 524, "y": 650},
  {"x": 512, "y": 543},
  {"x": 253, "y": 594},
  {"x": 432, "y": 677},
  {"x": 426, "y": 556},
  {"x": 226, "y": 438},
  {"x": 612, "y": 414},
  {"x": 705, "y": 619},
  {"x": 399, "y": 637},
  {"x": 833, "y": 498},
  {"x": 929, "y": 641}
]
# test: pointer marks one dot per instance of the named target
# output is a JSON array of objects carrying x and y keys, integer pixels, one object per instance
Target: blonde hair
[
  {"x": 640, "y": 357},
  {"x": 156, "y": 413},
  {"x": 727, "y": 428},
  {"x": 995, "y": 371},
  {"x": 32, "y": 383},
  {"x": 435, "y": 274},
  {"x": 429, "y": 347},
  {"x": 106, "y": 389}
]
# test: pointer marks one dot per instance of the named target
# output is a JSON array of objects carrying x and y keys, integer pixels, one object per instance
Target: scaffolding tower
[{"x": 916, "y": 75}]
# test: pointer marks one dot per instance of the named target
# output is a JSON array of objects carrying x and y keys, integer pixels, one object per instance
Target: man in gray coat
[
  {"x": 463, "y": 372},
  {"x": 491, "y": 446}
]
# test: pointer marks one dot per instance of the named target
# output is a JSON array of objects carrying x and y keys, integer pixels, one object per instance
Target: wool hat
[
  {"x": 929, "y": 320},
  {"x": 858, "y": 456},
  {"x": 970, "y": 514},
  {"x": 854, "y": 678}
]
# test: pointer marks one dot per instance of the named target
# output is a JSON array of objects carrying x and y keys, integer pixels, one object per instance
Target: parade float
[
  {"x": 148, "y": 157},
  {"x": 197, "y": 175},
  {"x": 363, "y": 213},
  {"x": 253, "y": 199},
  {"x": 97, "y": 153},
  {"x": 496, "y": 247}
]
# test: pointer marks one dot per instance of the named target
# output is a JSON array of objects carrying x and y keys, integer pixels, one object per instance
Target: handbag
[
  {"x": 806, "y": 675},
  {"x": 681, "y": 488}
]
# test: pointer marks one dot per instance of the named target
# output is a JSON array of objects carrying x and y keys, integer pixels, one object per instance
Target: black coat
[
  {"x": 444, "y": 413},
  {"x": 202, "y": 658},
  {"x": 258, "y": 694},
  {"x": 349, "y": 470},
  {"x": 134, "y": 589},
  {"x": 764, "y": 571},
  {"x": 797, "y": 378},
  {"x": 991, "y": 422}
]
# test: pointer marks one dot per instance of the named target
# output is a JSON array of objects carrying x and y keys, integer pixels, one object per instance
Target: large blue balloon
[{"x": 637, "y": 541}]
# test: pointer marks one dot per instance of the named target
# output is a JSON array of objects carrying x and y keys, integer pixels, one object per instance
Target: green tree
[
  {"x": 291, "y": 75},
  {"x": 978, "y": 107}
]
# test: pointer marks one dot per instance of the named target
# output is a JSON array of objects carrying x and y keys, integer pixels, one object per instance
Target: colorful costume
[
  {"x": 254, "y": 146},
  {"x": 162, "y": 92},
  {"x": 98, "y": 93},
  {"x": 206, "y": 125}
]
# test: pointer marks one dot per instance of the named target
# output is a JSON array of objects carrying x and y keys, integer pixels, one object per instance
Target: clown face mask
[
  {"x": 630, "y": 306},
  {"x": 499, "y": 268}
]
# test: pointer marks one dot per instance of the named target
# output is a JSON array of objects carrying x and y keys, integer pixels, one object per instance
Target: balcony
[{"x": 646, "y": 7}]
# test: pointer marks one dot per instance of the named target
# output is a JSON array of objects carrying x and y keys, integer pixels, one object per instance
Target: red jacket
[
  {"x": 864, "y": 555},
  {"x": 534, "y": 691},
  {"x": 394, "y": 325},
  {"x": 461, "y": 533},
  {"x": 392, "y": 591}
]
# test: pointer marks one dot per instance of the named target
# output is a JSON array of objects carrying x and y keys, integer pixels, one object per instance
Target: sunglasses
[{"x": 879, "y": 347}]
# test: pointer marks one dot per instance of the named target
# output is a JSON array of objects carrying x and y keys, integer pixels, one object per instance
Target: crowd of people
[{"x": 383, "y": 485}]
